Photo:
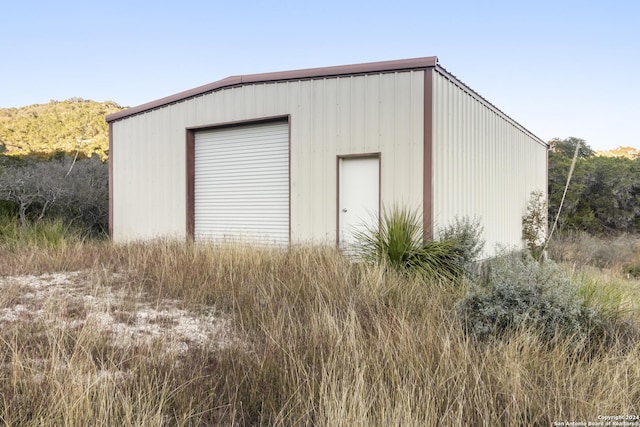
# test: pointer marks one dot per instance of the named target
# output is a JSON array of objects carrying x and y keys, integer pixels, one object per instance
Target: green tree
[
  {"x": 561, "y": 154},
  {"x": 612, "y": 193},
  {"x": 567, "y": 147},
  {"x": 604, "y": 193}
]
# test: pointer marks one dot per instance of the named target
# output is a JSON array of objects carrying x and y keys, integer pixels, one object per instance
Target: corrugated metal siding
[
  {"x": 242, "y": 183},
  {"x": 484, "y": 165},
  {"x": 329, "y": 116},
  {"x": 149, "y": 178}
]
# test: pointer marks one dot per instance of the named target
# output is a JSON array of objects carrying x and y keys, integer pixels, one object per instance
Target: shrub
[
  {"x": 534, "y": 224},
  {"x": 7, "y": 209},
  {"x": 58, "y": 188},
  {"x": 516, "y": 292},
  {"x": 468, "y": 235},
  {"x": 86, "y": 201},
  {"x": 399, "y": 243}
]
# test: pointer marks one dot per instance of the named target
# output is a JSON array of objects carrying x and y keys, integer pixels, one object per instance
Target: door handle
[{"x": 344, "y": 209}]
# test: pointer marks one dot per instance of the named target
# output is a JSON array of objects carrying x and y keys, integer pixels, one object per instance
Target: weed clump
[{"x": 516, "y": 292}]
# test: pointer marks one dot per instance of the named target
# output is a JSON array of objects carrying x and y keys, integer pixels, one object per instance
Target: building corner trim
[
  {"x": 110, "y": 183},
  {"x": 190, "y": 169},
  {"x": 427, "y": 181}
]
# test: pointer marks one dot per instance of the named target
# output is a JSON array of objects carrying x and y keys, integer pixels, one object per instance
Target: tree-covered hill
[{"x": 58, "y": 126}]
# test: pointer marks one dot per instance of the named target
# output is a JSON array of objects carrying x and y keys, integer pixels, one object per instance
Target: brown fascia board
[{"x": 304, "y": 74}]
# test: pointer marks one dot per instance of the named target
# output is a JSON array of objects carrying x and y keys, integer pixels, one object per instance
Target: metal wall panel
[
  {"x": 327, "y": 117},
  {"x": 148, "y": 179},
  {"x": 484, "y": 165}
]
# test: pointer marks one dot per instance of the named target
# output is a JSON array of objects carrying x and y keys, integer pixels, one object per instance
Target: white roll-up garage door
[{"x": 242, "y": 183}]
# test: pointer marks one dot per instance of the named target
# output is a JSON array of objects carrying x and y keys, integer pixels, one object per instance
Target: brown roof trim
[{"x": 310, "y": 73}]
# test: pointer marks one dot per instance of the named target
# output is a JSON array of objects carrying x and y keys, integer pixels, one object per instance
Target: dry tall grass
[
  {"x": 314, "y": 340},
  {"x": 612, "y": 253}
]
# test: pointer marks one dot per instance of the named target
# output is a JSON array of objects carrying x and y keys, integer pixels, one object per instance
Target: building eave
[{"x": 303, "y": 74}]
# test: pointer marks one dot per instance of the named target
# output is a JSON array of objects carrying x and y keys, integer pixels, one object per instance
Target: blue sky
[{"x": 560, "y": 68}]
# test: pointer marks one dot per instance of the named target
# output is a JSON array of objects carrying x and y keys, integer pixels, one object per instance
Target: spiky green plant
[
  {"x": 397, "y": 238},
  {"x": 438, "y": 259},
  {"x": 398, "y": 241}
]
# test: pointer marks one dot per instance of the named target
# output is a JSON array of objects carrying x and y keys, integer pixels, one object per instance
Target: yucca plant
[{"x": 398, "y": 241}]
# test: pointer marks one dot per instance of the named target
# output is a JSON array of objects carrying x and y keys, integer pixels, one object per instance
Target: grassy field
[{"x": 175, "y": 334}]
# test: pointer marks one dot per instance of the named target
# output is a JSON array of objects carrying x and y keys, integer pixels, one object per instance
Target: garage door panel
[
  {"x": 242, "y": 183},
  {"x": 237, "y": 169},
  {"x": 250, "y": 150}
]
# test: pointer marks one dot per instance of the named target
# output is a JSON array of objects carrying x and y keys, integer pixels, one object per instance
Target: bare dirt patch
[{"x": 72, "y": 300}]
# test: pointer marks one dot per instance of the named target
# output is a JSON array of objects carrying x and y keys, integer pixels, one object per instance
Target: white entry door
[{"x": 359, "y": 196}]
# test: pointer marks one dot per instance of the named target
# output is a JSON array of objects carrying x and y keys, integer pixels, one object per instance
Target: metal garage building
[{"x": 307, "y": 155}]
